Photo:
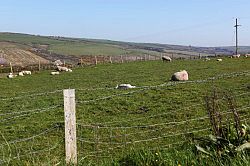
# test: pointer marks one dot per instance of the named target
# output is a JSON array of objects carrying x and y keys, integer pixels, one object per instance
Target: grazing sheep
[
  {"x": 247, "y": 55},
  {"x": 180, "y": 76},
  {"x": 124, "y": 86},
  {"x": 166, "y": 59},
  {"x": 26, "y": 72},
  {"x": 20, "y": 74},
  {"x": 219, "y": 60},
  {"x": 235, "y": 56},
  {"x": 54, "y": 73},
  {"x": 61, "y": 68},
  {"x": 70, "y": 70}
]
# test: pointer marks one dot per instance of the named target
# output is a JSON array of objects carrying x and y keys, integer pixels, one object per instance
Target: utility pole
[{"x": 236, "y": 44}]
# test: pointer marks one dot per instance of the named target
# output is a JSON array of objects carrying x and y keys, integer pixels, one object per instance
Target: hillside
[
  {"x": 19, "y": 55},
  {"x": 50, "y": 48}
]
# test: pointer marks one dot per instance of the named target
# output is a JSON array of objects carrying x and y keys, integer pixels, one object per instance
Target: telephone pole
[{"x": 236, "y": 44}]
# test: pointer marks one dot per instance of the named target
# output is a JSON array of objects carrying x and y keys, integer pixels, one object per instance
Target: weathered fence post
[
  {"x": 110, "y": 59},
  {"x": 96, "y": 60},
  {"x": 39, "y": 65},
  {"x": 121, "y": 59},
  {"x": 70, "y": 126},
  {"x": 11, "y": 69}
]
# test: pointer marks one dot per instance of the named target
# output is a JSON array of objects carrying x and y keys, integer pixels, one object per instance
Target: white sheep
[
  {"x": 219, "y": 60},
  {"x": 247, "y": 55},
  {"x": 54, "y": 73},
  {"x": 61, "y": 68},
  {"x": 26, "y": 72},
  {"x": 235, "y": 56},
  {"x": 11, "y": 75},
  {"x": 180, "y": 76},
  {"x": 124, "y": 86},
  {"x": 20, "y": 74},
  {"x": 207, "y": 59},
  {"x": 166, "y": 58},
  {"x": 70, "y": 70}
]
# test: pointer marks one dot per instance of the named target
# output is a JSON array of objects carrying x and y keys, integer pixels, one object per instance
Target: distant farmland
[{"x": 71, "y": 49}]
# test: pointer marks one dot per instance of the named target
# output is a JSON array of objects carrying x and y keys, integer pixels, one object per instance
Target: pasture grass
[{"x": 122, "y": 129}]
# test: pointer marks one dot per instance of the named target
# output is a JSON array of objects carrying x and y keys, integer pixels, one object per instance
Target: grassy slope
[
  {"x": 69, "y": 46},
  {"x": 120, "y": 110}
]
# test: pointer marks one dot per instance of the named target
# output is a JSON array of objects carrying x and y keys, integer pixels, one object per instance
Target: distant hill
[{"x": 13, "y": 47}]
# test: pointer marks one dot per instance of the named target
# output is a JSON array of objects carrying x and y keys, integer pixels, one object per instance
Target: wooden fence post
[
  {"x": 121, "y": 59},
  {"x": 96, "y": 60},
  {"x": 70, "y": 126},
  {"x": 11, "y": 69},
  {"x": 110, "y": 59},
  {"x": 39, "y": 65}
]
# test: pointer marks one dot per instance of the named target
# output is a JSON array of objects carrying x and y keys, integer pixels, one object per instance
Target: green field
[{"x": 149, "y": 125}]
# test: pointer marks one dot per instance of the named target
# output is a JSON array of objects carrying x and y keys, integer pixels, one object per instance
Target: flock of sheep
[
  {"x": 178, "y": 76},
  {"x": 27, "y": 72}
]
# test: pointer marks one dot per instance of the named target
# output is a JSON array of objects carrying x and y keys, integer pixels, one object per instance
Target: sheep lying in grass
[
  {"x": 11, "y": 75},
  {"x": 166, "y": 59},
  {"x": 207, "y": 59},
  {"x": 235, "y": 56},
  {"x": 54, "y": 73},
  {"x": 20, "y": 74},
  {"x": 180, "y": 76},
  {"x": 124, "y": 86},
  {"x": 61, "y": 68},
  {"x": 219, "y": 60},
  {"x": 26, "y": 72}
]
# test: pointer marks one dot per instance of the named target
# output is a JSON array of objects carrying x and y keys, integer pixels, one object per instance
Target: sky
[{"x": 181, "y": 22}]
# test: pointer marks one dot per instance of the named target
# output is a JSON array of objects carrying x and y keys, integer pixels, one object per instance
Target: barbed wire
[
  {"x": 152, "y": 130},
  {"x": 173, "y": 83},
  {"x": 30, "y": 153},
  {"x": 31, "y": 95},
  {"x": 30, "y": 138},
  {"x": 150, "y": 139},
  {"x": 161, "y": 85},
  {"x": 34, "y": 112},
  {"x": 152, "y": 116},
  {"x": 121, "y": 145}
]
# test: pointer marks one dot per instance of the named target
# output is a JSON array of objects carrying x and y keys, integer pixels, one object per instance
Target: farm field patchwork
[{"x": 159, "y": 116}]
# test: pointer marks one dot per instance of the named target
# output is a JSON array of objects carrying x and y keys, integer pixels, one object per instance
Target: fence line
[
  {"x": 151, "y": 139},
  {"x": 37, "y": 111},
  {"x": 34, "y": 152},
  {"x": 34, "y": 110},
  {"x": 121, "y": 145},
  {"x": 228, "y": 75},
  {"x": 29, "y": 138},
  {"x": 103, "y": 125},
  {"x": 143, "y": 132},
  {"x": 149, "y": 87},
  {"x": 32, "y": 95}
]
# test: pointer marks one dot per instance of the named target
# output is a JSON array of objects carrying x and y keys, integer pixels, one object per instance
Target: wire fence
[{"x": 102, "y": 138}]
